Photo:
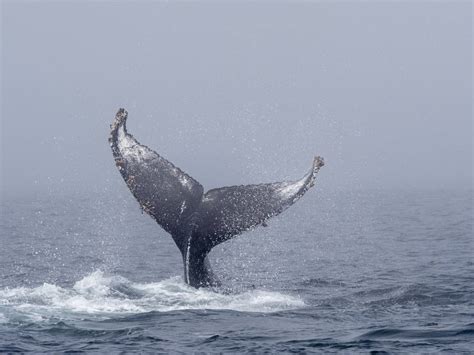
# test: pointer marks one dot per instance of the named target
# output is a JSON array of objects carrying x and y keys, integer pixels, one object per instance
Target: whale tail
[{"x": 197, "y": 221}]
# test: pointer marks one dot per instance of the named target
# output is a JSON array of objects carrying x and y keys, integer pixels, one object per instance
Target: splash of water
[{"x": 105, "y": 296}]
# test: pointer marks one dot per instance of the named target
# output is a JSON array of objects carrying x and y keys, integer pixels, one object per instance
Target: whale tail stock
[{"x": 197, "y": 221}]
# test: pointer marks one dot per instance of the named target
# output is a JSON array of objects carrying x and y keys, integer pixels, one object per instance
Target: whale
[{"x": 198, "y": 220}]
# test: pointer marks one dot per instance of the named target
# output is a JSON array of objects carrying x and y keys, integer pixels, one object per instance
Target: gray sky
[{"x": 239, "y": 92}]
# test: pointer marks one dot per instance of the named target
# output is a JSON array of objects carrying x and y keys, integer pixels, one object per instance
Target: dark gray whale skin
[{"x": 197, "y": 221}]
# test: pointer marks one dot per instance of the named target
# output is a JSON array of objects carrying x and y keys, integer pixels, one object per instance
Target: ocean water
[{"x": 353, "y": 271}]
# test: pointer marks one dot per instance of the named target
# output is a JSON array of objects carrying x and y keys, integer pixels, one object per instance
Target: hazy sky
[{"x": 239, "y": 92}]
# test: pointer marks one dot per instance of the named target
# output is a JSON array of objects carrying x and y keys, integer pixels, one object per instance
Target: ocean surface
[{"x": 350, "y": 271}]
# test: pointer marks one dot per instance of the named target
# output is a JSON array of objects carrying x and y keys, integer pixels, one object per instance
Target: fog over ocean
[{"x": 376, "y": 257}]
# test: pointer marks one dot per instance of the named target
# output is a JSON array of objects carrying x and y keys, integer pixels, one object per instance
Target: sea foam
[{"x": 105, "y": 295}]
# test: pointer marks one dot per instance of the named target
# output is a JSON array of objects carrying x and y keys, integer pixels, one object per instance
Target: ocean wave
[
  {"x": 103, "y": 295},
  {"x": 419, "y": 294},
  {"x": 3, "y": 319},
  {"x": 395, "y": 333}
]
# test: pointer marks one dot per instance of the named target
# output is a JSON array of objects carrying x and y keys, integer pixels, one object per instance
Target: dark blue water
[{"x": 349, "y": 271}]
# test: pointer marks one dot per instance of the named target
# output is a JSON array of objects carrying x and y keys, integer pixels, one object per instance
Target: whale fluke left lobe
[{"x": 163, "y": 190}]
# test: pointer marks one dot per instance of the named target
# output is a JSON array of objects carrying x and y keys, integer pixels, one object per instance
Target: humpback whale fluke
[{"x": 197, "y": 221}]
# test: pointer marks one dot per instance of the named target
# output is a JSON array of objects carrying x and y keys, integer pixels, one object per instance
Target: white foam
[{"x": 107, "y": 295}]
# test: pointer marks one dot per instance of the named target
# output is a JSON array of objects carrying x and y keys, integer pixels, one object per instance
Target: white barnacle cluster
[
  {"x": 291, "y": 189},
  {"x": 183, "y": 207},
  {"x": 131, "y": 149},
  {"x": 185, "y": 181}
]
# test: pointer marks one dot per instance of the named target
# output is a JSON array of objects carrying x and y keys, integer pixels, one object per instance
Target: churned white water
[{"x": 102, "y": 294}]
